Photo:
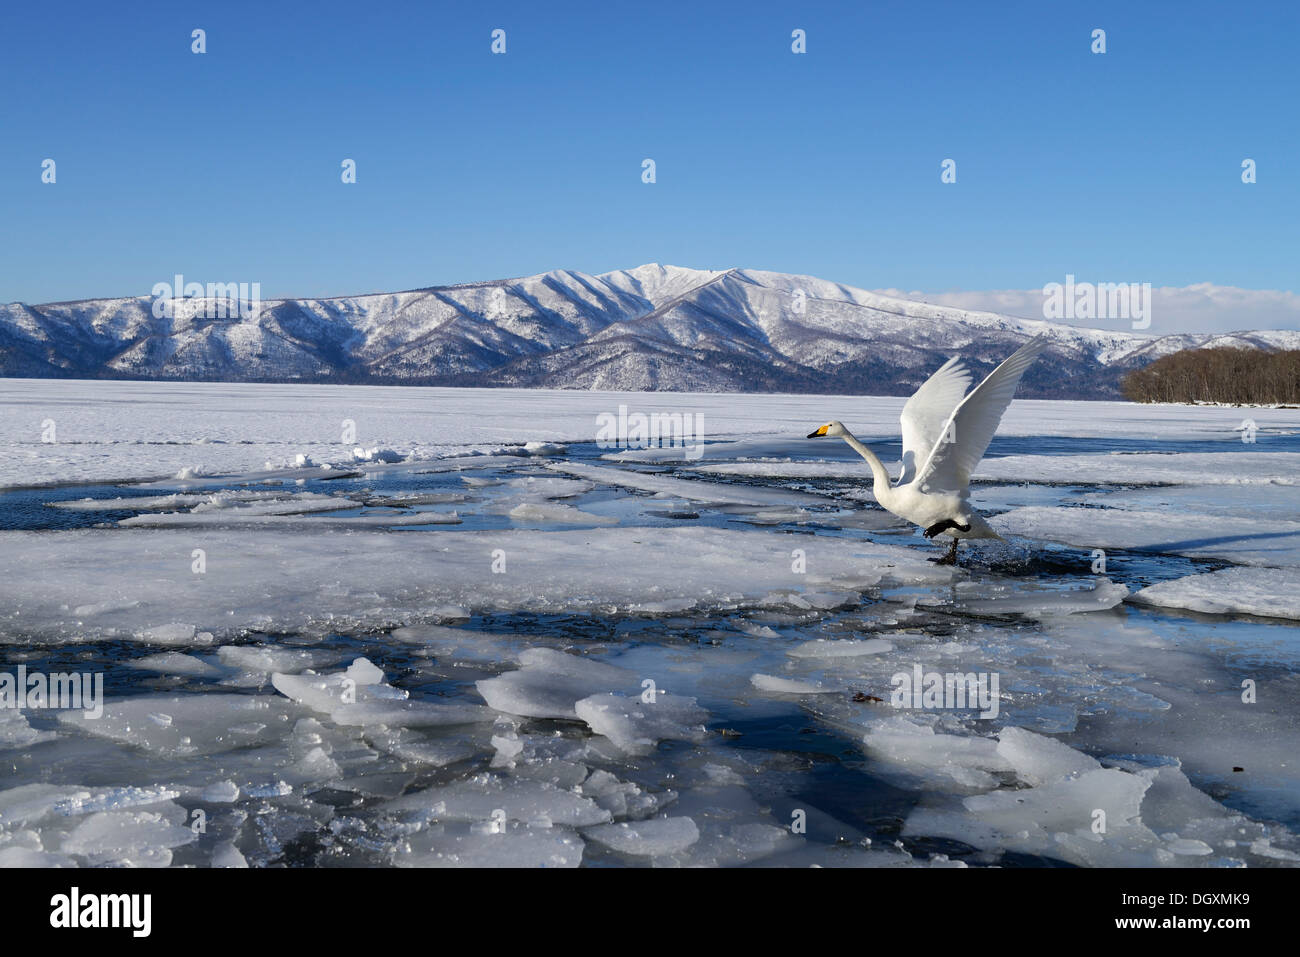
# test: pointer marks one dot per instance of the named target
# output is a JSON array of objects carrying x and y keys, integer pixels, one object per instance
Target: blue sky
[{"x": 226, "y": 166}]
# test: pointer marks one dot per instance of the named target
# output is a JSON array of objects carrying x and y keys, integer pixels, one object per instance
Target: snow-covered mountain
[{"x": 650, "y": 328}]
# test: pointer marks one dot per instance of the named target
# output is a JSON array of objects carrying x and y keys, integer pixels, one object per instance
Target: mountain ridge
[{"x": 650, "y": 328}]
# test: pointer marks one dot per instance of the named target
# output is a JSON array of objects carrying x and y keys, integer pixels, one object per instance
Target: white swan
[{"x": 945, "y": 434}]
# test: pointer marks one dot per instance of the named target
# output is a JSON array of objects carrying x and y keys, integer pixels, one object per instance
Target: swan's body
[{"x": 945, "y": 434}]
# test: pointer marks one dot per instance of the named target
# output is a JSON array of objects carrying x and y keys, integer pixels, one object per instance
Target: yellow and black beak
[{"x": 819, "y": 432}]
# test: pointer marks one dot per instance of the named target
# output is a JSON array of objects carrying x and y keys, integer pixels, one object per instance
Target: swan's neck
[{"x": 880, "y": 487}]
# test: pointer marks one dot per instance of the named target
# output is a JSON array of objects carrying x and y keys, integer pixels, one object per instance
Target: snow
[
  {"x": 120, "y": 430},
  {"x": 376, "y": 454}
]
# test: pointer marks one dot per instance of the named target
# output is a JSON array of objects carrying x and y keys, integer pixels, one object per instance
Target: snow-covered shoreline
[{"x": 116, "y": 431}]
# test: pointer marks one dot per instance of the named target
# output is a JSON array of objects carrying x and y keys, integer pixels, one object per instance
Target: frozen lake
[{"x": 355, "y": 625}]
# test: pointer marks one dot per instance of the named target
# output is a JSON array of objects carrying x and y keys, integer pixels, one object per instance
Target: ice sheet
[
  {"x": 1270, "y": 592},
  {"x": 133, "y": 583},
  {"x": 1244, "y": 541},
  {"x": 333, "y": 693}
]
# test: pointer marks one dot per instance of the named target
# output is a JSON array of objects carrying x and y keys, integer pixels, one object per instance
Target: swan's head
[{"x": 830, "y": 428}]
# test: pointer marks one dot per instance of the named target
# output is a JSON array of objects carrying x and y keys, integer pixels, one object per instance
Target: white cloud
[{"x": 1201, "y": 307}]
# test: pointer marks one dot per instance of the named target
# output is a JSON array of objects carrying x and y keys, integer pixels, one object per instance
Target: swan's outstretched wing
[
  {"x": 927, "y": 411},
  {"x": 969, "y": 430}
]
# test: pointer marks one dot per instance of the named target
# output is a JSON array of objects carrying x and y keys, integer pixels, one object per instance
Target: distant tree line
[{"x": 1225, "y": 374}]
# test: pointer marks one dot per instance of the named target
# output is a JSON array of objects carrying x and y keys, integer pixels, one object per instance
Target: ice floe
[
  {"x": 1246, "y": 541},
  {"x": 1269, "y": 592},
  {"x": 321, "y": 579}
]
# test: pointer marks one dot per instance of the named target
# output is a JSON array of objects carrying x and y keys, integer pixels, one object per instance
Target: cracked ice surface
[{"x": 468, "y": 651}]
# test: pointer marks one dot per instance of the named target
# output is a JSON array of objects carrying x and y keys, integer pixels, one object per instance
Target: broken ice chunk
[
  {"x": 515, "y": 845},
  {"x": 549, "y": 684},
  {"x": 1038, "y": 759},
  {"x": 840, "y": 648},
  {"x": 488, "y": 799},
  {"x": 651, "y": 838},
  {"x": 133, "y": 838},
  {"x": 788, "y": 685},
  {"x": 636, "y": 726},
  {"x": 358, "y": 696}
]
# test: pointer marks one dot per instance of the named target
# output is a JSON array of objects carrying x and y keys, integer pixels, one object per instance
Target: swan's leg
[{"x": 950, "y": 558}]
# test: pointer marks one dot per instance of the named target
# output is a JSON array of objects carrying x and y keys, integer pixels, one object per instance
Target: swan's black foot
[
  {"x": 951, "y": 557},
  {"x": 943, "y": 526}
]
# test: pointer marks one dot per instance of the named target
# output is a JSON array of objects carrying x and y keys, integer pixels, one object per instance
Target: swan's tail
[{"x": 980, "y": 528}]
